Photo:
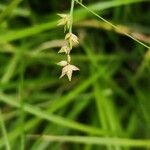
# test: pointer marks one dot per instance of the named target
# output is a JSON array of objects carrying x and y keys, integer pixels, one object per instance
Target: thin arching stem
[{"x": 112, "y": 25}]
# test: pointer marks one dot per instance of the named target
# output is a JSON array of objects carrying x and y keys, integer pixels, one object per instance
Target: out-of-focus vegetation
[{"x": 106, "y": 105}]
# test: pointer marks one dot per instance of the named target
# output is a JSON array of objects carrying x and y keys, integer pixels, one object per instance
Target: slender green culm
[
  {"x": 71, "y": 15},
  {"x": 115, "y": 27}
]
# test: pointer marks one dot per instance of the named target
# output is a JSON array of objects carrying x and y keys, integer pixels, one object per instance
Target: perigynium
[
  {"x": 72, "y": 39},
  {"x": 65, "y": 49}
]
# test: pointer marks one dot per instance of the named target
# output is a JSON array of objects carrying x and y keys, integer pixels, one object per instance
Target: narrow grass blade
[
  {"x": 5, "y": 135},
  {"x": 95, "y": 140}
]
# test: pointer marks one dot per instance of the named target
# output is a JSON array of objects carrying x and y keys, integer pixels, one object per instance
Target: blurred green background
[{"x": 109, "y": 97}]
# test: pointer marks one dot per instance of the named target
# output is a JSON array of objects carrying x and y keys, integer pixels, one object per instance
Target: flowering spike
[
  {"x": 65, "y": 21},
  {"x": 72, "y": 39},
  {"x": 64, "y": 49},
  {"x": 68, "y": 70}
]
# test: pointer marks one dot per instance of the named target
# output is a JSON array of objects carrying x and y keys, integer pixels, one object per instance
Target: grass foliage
[{"x": 105, "y": 106}]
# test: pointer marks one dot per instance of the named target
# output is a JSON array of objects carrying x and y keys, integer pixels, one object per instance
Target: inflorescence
[{"x": 71, "y": 41}]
